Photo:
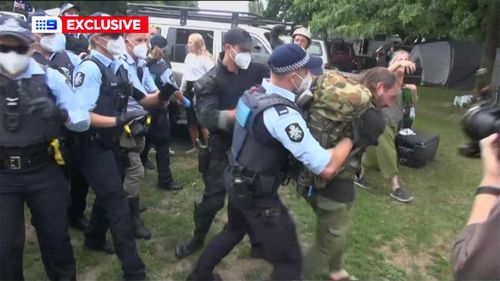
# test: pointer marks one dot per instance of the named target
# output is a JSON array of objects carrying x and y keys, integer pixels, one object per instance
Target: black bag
[{"x": 418, "y": 150}]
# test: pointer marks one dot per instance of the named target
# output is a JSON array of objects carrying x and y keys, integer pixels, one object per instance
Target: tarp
[{"x": 448, "y": 63}]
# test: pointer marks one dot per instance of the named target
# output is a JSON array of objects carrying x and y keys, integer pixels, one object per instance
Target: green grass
[{"x": 388, "y": 240}]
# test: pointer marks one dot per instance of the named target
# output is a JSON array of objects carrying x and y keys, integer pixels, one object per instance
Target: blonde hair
[
  {"x": 397, "y": 54},
  {"x": 199, "y": 45}
]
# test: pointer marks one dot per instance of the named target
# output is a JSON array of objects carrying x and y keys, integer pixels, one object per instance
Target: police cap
[
  {"x": 10, "y": 26},
  {"x": 291, "y": 57}
]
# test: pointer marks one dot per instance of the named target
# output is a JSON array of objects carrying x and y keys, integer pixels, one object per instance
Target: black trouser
[
  {"x": 100, "y": 167},
  {"x": 159, "y": 138},
  {"x": 215, "y": 192},
  {"x": 45, "y": 190},
  {"x": 271, "y": 229},
  {"x": 79, "y": 189}
]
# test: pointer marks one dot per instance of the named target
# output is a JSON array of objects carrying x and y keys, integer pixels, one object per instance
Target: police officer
[
  {"x": 217, "y": 93},
  {"x": 268, "y": 128},
  {"x": 106, "y": 86},
  {"x": 133, "y": 141},
  {"x": 78, "y": 43},
  {"x": 29, "y": 121},
  {"x": 159, "y": 132},
  {"x": 49, "y": 50}
]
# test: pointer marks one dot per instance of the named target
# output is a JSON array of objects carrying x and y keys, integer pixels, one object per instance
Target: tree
[
  {"x": 446, "y": 19},
  {"x": 256, "y": 7}
]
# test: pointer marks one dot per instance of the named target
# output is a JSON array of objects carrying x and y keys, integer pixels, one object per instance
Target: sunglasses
[{"x": 21, "y": 49}]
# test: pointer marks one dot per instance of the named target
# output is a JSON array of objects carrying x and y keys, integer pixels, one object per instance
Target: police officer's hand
[
  {"x": 186, "y": 102},
  {"x": 128, "y": 116},
  {"x": 368, "y": 128},
  {"x": 44, "y": 107}
]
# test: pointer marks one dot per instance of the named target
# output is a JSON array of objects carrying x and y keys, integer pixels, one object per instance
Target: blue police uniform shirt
[
  {"x": 66, "y": 98},
  {"x": 75, "y": 60},
  {"x": 291, "y": 130},
  {"x": 146, "y": 84},
  {"x": 87, "y": 79}
]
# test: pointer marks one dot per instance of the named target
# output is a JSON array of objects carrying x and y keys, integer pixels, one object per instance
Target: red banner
[{"x": 103, "y": 24}]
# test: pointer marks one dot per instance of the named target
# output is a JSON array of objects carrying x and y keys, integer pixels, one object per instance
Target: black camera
[{"x": 479, "y": 122}]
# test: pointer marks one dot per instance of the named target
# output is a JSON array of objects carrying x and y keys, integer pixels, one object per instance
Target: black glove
[
  {"x": 166, "y": 91},
  {"x": 126, "y": 117},
  {"x": 45, "y": 108},
  {"x": 368, "y": 128}
]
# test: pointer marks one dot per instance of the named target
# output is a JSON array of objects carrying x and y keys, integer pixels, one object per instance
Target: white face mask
[
  {"x": 242, "y": 60},
  {"x": 13, "y": 62},
  {"x": 141, "y": 50},
  {"x": 116, "y": 46},
  {"x": 53, "y": 43},
  {"x": 305, "y": 84}
]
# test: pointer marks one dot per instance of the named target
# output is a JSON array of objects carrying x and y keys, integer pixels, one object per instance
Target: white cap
[{"x": 302, "y": 31}]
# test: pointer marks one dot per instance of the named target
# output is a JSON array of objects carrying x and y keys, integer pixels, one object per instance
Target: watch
[{"x": 488, "y": 190}]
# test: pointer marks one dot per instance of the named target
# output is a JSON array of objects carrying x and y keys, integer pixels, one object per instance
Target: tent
[{"x": 448, "y": 63}]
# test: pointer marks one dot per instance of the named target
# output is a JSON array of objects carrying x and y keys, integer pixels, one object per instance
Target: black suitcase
[{"x": 418, "y": 150}]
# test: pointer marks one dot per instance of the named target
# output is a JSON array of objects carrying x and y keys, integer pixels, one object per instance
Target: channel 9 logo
[{"x": 46, "y": 24}]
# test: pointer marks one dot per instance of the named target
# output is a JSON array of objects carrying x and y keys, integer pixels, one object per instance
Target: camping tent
[{"x": 448, "y": 63}]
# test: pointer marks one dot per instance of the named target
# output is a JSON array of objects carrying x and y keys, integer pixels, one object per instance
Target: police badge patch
[
  {"x": 294, "y": 132},
  {"x": 79, "y": 78}
]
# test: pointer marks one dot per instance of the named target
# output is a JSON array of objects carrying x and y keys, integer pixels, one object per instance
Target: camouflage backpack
[{"x": 338, "y": 102}]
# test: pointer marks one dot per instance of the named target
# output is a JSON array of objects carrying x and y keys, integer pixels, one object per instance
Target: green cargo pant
[
  {"x": 333, "y": 223},
  {"x": 384, "y": 156}
]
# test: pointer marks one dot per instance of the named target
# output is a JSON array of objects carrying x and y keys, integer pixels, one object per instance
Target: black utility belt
[{"x": 10, "y": 161}]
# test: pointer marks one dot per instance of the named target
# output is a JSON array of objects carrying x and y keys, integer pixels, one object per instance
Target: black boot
[
  {"x": 140, "y": 230},
  {"x": 202, "y": 224}
]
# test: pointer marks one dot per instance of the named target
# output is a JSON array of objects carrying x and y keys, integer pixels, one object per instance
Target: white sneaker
[
  {"x": 192, "y": 150},
  {"x": 171, "y": 151}
]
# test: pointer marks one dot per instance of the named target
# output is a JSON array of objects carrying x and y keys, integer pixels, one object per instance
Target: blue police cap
[
  {"x": 290, "y": 57},
  {"x": 65, "y": 7},
  {"x": 158, "y": 41},
  {"x": 10, "y": 26},
  {"x": 100, "y": 14}
]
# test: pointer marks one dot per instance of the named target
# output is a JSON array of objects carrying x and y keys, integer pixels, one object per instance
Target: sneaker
[
  {"x": 173, "y": 185},
  {"x": 171, "y": 152},
  {"x": 361, "y": 182},
  {"x": 192, "y": 150},
  {"x": 402, "y": 195}
]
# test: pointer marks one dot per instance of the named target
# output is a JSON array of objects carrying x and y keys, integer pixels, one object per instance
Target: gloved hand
[
  {"x": 412, "y": 113},
  {"x": 128, "y": 116},
  {"x": 166, "y": 91},
  {"x": 368, "y": 128},
  {"x": 45, "y": 108},
  {"x": 186, "y": 102}
]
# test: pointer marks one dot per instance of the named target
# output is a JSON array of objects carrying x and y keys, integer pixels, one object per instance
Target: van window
[
  {"x": 315, "y": 49},
  {"x": 179, "y": 50}
]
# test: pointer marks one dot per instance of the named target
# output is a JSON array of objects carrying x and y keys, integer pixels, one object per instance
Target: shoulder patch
[
  {"x": 281, "y": 109},
  {"x": 294, "y": 132},
  {"x": 79, "y": 78}
]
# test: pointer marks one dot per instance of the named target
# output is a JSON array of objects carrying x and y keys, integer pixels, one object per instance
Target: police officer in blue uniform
[
  {"x": 34, "y": 103},
  {"x": 268, "y": 128},
  {"x": 105, "y": 84},
  {"x": 49, "y": 50},
  {"x": 217, "y": 93},
  {"x": 159, "y": 131}
]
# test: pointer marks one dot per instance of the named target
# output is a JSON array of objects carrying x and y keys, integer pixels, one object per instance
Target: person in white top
[{"x": 198, "y": 62}]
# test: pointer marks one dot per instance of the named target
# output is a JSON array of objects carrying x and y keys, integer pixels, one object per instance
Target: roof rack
[{"x": 185, "y": 13}]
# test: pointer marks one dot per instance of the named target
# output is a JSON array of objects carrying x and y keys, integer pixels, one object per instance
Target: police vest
[
  {"x": 156, "y": 68},
  {"x": 77, "y": 45},
  {"x": 60, "y": 62},
  {"x": 113, "y": 98},
  {"x": 18, "y": 128},
  {"x": 253, "y": 148}
]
